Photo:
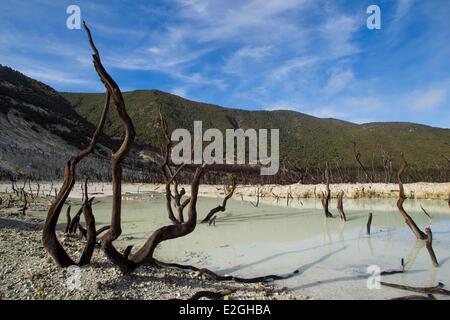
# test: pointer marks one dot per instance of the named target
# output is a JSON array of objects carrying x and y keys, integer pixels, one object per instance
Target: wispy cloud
[
  {"x": 339, "y": 80},
  {"x": 56, "y": 77},
  {"x": 428, "y": 100},
  {"x": 240, "y": 59},
  {"x": 313, "y": 56}
]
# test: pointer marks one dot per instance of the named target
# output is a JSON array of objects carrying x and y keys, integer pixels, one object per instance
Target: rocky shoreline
[{"x": 28, "y": 273}]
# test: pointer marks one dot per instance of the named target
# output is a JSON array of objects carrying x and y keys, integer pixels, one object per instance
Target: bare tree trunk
[
  {"x": 76, "y": 219},
  {"x": 127, "y": 262},
  {"x": 340, "y": 206},
  {"x": 326, "y": 196},
  {"x": 369, "y": 223},
  {"x": 401, "y": 199},
  {"x": 258, "y": 195},
  {"x": 358, "y": 159},
  {"x": 49, "y": 239},
  {"x": 428, "y": 236},
  {"x": 429, "y": 246},
  {"x": 25, "y": 203},
  {"x": 69, "y": 219},
  {"x": 91, "y": 235}
]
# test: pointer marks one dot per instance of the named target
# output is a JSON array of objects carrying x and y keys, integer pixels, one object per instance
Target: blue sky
[{"x": 312, "y": 56}]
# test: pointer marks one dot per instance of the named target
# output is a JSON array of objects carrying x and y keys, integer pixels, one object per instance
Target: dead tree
[
  {"x": 128, "y": 261},
  {"x": 49, "y": 238},
  {"x": 326, "y": 196},
  {"x": 429, "y": 246},
  {"x": 50, "y": 190},
  {"x": 340, "y": 206},
  {"x": 369, "y": 223},
  {"x": 420, "y": 235},
  {"x": 222, "y": 207},
  {"x": 387, "y": 165},
  {"x": 258, "y": 195},
  {"x": 38, "y": 189},
  {"x": 24, "y": 208},
  {"x": 358, "y": 159},
  {"x": 75, "y": 221},
  {"x": 289, "y": 196},
  {"x": 69, "y": 219},
  {"x": 13, "y": 185},
  {"x": 401, "y": 199}
]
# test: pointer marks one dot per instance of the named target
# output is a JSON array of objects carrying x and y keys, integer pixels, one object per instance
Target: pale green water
[{"x": 332, "y": 256}]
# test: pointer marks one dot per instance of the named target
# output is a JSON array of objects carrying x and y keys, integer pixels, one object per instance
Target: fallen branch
[
  {"x": 439, "y": 289},
  {"x": 217, "y": 277},
  {"x": 390, "y": 272},
  {"x": 416, "y": 297},
  {"x": 211, "y": 295}
]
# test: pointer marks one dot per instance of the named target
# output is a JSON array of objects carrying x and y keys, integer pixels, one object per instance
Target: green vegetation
[
  {"x": 306, "y": 143},
  {"x": 304, "y": 140}
]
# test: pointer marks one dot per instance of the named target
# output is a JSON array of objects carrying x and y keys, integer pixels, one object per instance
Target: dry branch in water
[
  {"x": 217, "y": 277},
  {"x": 416, "y": 297},
  {"x": 258, "y": 195},
  {"x": 401, "y": 199},
  {"x": 326, "y": 196},
  {"x": 340, "y": 206},
  {"x": 128, "y": 261},
  {"x": 222, "y": 207},
  {"x": 428, "y": 236},
  {"x": 439, "y": 289},
  {"x": 369, "y": 223},
  {"x": 429, "y": 246}
]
